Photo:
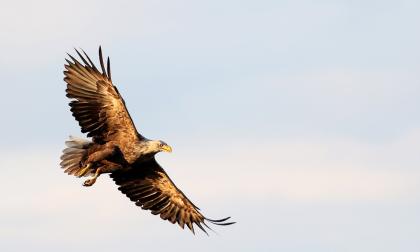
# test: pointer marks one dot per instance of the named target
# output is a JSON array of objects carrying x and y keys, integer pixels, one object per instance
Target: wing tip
[
  {"x": 200, "y": 224},
  {"x": 220, "y": 222}
]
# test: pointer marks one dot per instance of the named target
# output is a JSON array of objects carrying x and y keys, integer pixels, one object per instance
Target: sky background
[{"x": 297, "y": 118}]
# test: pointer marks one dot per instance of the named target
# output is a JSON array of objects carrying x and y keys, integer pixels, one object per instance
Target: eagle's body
[{"x": 117, "y": 148}]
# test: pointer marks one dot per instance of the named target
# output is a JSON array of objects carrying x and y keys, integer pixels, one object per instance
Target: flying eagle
[{"x": 117, "y": 148}]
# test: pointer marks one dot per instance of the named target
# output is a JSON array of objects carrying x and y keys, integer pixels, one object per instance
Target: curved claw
[{"x": 89, "y": 182}]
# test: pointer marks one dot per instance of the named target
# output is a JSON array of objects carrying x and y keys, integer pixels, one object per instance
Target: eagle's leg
[
  {"x": 100, "y": 155},
  {"x": 106, "y": 167},
  {"x": 92, "y": 181},
  {"x": 84, "y": 170}
]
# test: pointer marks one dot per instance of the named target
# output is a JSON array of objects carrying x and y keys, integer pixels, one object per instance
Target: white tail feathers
[{"x": 73, "y": 155}]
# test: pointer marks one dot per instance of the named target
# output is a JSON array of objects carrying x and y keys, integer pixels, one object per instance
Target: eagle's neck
[{"x": 145, "y": 150}]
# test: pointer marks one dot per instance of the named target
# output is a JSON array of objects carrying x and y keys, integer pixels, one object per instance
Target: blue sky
[{"x": 297, "y": 118}]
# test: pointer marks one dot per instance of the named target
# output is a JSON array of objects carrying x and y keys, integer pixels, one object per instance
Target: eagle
[{"x": 116, "y": 147}]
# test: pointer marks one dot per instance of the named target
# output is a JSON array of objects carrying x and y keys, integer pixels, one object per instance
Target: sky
[{"x": 297, "y": 118}]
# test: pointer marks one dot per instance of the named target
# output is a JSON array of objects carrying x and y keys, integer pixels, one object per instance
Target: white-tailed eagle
[{"x": 117, "y": 148}]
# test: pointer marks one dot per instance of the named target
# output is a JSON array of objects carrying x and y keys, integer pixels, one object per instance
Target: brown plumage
[{"x": 117, "y": 148}]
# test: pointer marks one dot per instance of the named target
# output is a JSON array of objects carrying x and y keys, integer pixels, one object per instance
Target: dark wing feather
[
  {"x": 96, "y": 103},
  {"x": 148, "y": 185}
]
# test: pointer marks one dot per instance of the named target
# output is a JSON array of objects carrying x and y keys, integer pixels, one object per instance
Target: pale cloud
[
  {"x": 308, "y": 170},
  {"x": 312, "y": 170},
  {"x": 42, "y": 205}
]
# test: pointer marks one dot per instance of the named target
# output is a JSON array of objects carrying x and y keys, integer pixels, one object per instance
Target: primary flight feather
[{"x": 117, "y": 148}]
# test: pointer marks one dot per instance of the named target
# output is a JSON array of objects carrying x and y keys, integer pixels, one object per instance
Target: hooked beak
[{"x": 167, "y": 148}]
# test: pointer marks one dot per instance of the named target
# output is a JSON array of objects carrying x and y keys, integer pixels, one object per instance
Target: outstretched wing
[
  {"x": 148, "y": 185},
  {"x": 96, "y": 103}
]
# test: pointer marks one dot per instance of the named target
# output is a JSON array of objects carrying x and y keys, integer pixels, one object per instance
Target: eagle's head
[{"x": 155, "y": 146}]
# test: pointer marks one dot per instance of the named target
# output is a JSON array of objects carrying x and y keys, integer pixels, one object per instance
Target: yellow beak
[{"x": 167, "y": 148}]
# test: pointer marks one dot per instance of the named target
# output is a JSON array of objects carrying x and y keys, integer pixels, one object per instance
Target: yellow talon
[{"x": 83, "y": 171}]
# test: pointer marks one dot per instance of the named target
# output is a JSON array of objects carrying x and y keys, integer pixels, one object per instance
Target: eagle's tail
[{"x": 74, "y": 154}]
